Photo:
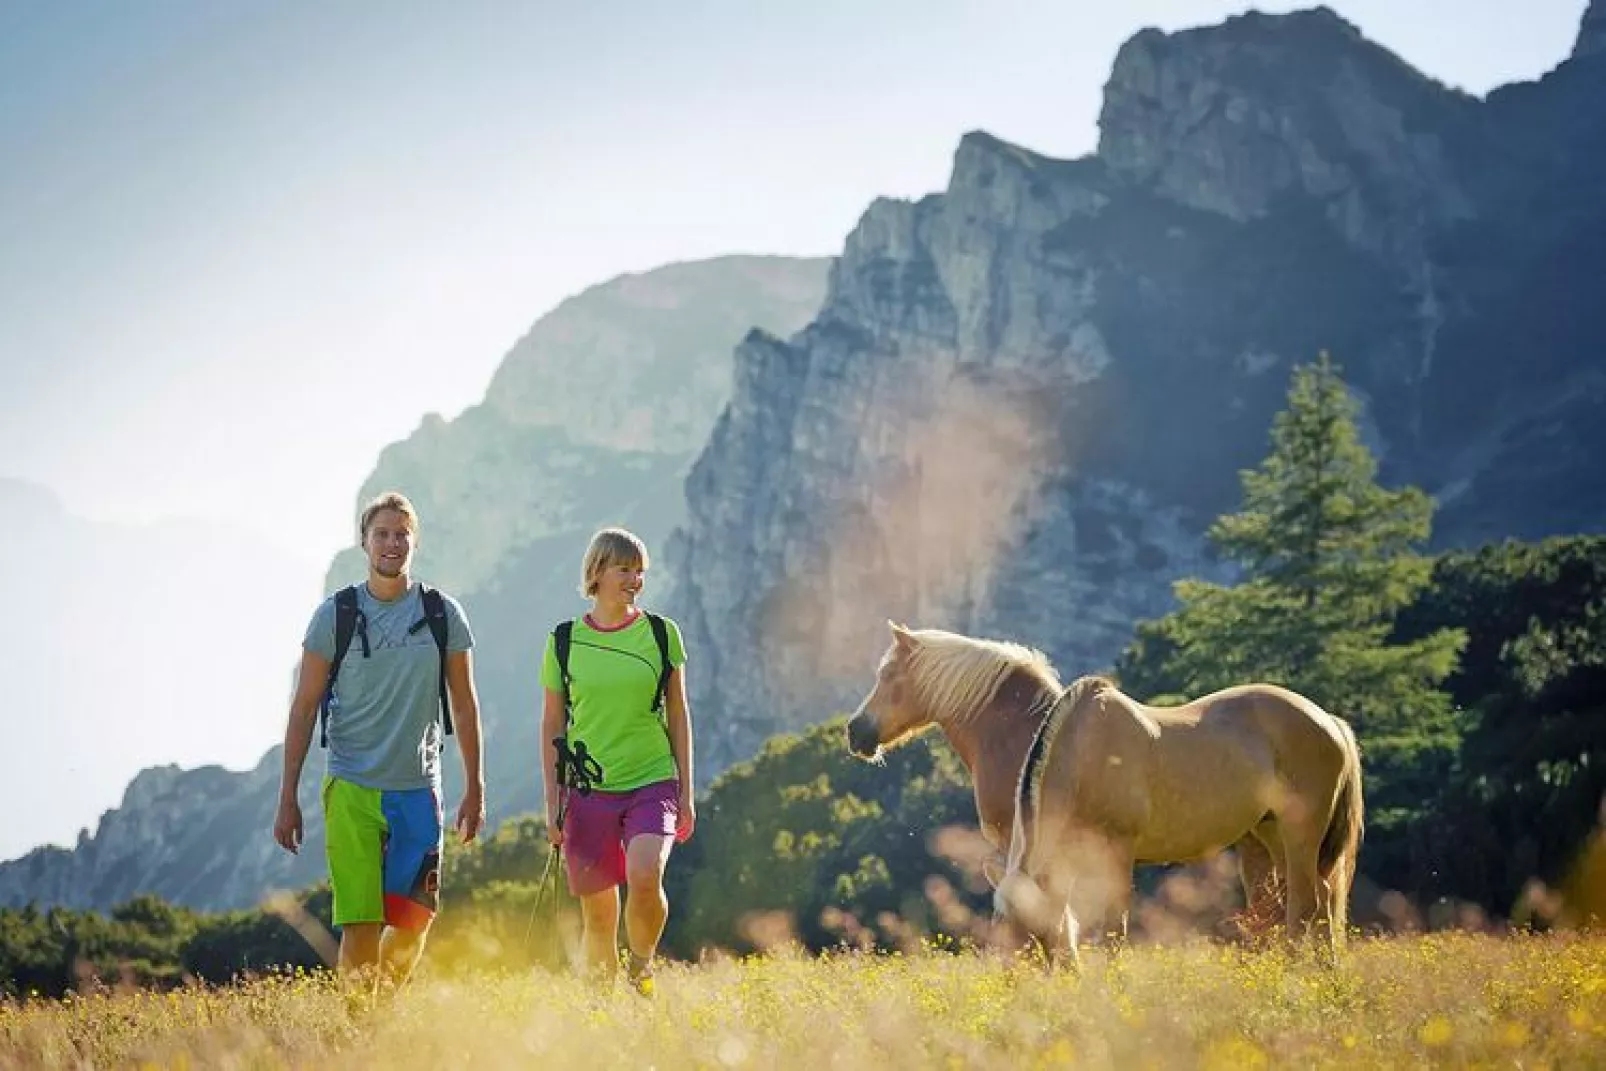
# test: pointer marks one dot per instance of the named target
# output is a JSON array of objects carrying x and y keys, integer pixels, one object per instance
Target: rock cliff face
[
  {"x": 1273, "y": 108},
  {"x": 1592, "y": 31},
  {"x": 1025, "y": 397}
]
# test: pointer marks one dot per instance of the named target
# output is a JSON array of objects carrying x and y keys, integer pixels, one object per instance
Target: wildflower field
[{"x": 1454, "y": 1000}]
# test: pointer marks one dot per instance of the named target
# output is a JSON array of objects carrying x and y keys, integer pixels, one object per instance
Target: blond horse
[
  {"x": 989, "y": 698},
  {"x": 1109, "y": 783}
]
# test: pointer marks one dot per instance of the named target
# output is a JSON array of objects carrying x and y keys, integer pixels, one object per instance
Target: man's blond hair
[
  {"x": 610, "y": 547},
  {"x": 389, "y": 500}
]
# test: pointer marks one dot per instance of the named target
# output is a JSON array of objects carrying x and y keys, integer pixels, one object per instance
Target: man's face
[{"x": 389, "y": 544}]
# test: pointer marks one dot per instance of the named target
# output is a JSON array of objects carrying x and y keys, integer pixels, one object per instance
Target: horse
[
  {"x": 989, "y": 697},
  {"x": 1109, "y": 783}
]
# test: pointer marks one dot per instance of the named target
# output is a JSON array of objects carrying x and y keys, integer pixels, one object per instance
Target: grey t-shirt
[{"x": 384, "y": 720}]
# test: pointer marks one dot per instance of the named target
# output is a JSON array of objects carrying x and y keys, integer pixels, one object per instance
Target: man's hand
[
  {"x": 686, "y": 820},
  {"x": 471, "y": 814},
  {"x": 287, "y": 825}
]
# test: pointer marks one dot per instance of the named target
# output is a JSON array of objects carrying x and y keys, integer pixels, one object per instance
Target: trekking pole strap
[{"x": 576, "y": 769}]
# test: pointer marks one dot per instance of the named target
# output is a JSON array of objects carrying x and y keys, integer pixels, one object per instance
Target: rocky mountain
[
  {"x": 1026, "y": 397},
  {"x": 593, "y": 417},
  {"x": 196, "y": 837}
]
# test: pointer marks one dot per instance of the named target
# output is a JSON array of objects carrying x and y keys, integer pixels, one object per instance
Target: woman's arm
[
  {"x": 680, "y": 745},
  {"x": 554, "y": 723}
]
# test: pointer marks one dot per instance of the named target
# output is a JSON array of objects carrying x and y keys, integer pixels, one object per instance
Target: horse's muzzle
[{"x": 863, "y": 740}]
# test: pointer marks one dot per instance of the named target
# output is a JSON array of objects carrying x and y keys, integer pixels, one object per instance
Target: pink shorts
[{"x": 599, "y": 826}]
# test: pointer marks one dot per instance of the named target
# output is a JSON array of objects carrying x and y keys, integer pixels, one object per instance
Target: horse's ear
[{"x": 901, "y": 636}]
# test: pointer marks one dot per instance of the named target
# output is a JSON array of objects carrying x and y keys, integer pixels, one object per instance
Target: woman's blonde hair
[{"x": 610, "y": 547}]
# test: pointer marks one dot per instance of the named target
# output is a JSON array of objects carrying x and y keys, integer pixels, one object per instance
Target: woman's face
[{"x": 621, "y": 582}]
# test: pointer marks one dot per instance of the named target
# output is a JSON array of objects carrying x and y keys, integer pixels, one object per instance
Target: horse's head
[{"x": 892, "y": 710}]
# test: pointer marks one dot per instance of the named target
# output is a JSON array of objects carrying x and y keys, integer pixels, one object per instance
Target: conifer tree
[{"x": 1328, "y": 558}]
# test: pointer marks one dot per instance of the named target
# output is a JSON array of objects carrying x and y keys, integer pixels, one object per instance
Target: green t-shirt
[{"x": 613, "y": 676}]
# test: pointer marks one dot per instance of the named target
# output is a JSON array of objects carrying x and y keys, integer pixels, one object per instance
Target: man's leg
[
  {"x": 400, "y": 950},
  {"x": 359, "y": 950},
  {"x": 412, "y": 878},
  {"x": 354, "y": 837}
]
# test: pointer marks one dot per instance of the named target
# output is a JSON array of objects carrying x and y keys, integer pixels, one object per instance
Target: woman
[{"x": 642, "y": 802}]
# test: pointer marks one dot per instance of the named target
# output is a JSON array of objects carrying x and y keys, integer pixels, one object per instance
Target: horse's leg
[
  {"x": 1099, "y": 884},
  {"x": 1257, "y": 873},
  {"x": 1259, "y": 853},
  {"x": 1120, "y": 863},
  {"x": 1063, "y": 951},
  {"x": 1311, "y": 915},
  {"x": 1302, "y": 881}
]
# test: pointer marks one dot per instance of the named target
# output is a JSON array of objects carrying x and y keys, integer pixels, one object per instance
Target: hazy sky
[{"x": 244, "y": 246}]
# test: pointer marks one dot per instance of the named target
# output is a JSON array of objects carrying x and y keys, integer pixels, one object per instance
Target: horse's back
[
  {"x": 1223, "y": 760},
  {"x": 1269, "y": 710}
]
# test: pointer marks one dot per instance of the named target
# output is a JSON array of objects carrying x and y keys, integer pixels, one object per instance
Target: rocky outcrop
[
  {"x": 200, "y": 837},
  {"x": 1267, "y": 108},
  {"x": 916, "y": 452},
  {"x": 1591, "y": 42}
]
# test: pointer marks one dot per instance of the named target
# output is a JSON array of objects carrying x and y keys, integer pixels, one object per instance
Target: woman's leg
[
  {"x": 595, "y": 861},
  {"x": 599, "y": 911},
  {"x": 646, "y": 906},
  {"x": 649, "y": 828}
]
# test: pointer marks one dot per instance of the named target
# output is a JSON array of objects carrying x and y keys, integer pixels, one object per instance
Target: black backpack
[
  {"x": 563, "y": 634},
  {"x": 350, "y": 621}
]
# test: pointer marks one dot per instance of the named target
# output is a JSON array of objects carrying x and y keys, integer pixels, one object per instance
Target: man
[{"x": 382, "y": 790}]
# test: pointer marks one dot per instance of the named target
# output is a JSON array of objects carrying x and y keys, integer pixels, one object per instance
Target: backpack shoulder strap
[
  {"x": 345, "y": 628},
  {"x": 562, "y": 635},
  {"x": 435, "y": 618},
  {"x": 660, "y": 633}
]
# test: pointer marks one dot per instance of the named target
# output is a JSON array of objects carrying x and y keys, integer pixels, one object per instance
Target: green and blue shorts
[{"x": 384, "y": 850}]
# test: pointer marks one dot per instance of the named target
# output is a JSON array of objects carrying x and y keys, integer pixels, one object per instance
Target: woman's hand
[
  {"x": 554, "y": 832},
  {"x": 686, "y": 819}
]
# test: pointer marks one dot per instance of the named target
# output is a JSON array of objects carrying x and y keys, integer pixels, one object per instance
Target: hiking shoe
[{"x": 640, "y": 976}]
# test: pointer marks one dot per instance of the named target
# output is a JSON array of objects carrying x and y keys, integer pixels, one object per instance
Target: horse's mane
[
  {"x": 1079, "y": 694},
  {"x": 955, "y": 676}
]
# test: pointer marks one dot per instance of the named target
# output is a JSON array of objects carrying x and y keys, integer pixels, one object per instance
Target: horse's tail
[{"x": 1341, "y": 844}]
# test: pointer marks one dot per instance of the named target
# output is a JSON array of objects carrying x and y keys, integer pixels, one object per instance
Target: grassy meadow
[{"x": 1453, "y": 999}]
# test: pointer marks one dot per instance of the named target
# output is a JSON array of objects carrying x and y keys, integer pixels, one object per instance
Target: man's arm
[
  {"x": 310, "y": 682},
  {"x": 466, "y": 722}
]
